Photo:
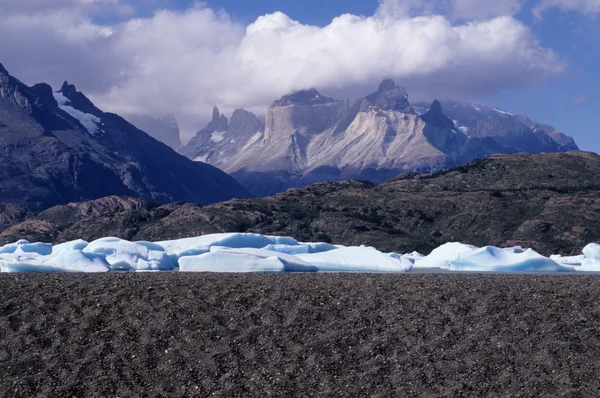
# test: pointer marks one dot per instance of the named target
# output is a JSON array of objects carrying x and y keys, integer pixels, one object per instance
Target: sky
[{"x": 538, "y": 58}]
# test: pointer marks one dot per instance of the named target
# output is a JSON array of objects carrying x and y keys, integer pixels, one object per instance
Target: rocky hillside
[
  {"x": 309, "y": 138},
  {"x": 550, "y": 202},
  {"x": 58, "y": 147}
]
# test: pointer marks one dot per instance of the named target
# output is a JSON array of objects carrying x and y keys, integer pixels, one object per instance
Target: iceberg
[
  {"x": 302, "y": 248},
  {"x": 202, "y": 244},
  {"x": 23, "y": 246},
  {"x": 411, "y": 257},
  {"x": 224, "y": 259},
  {"x": 355, "y": 259},
  {"x": 443, "y": 255},
  {"x": 123, "y": 255},
  {"x": 248, "y": 252},
  {"x": 493, "y": 259},
  {"x": 73, "y": 261}
]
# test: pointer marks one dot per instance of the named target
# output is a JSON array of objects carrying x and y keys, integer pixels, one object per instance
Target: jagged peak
[
  {"x": 67, "y": 88},
  {"x": 388, "y": 97},
  {"x": 78, "y": 100},
  {"x": 3, "y": 70},
  {"x": 436, "y": 107},
  {"x": 387, "y": 85},
  {"x": 435, "y": 116},
  {"x": 216, "y": 115}
]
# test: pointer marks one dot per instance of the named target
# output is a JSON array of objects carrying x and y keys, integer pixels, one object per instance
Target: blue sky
[{"x": 182, "y": 57}]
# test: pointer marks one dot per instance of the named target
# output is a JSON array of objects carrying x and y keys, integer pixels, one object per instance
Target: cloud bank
[{"x": 184, "y": 62}]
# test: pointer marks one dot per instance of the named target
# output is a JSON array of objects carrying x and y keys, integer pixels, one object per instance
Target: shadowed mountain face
[
  {"x": 549, "y": 202},
  {"x": 163, "y": 128},
  {"x": 308, "y": 138},
  {"x": 57, "y": 147}
]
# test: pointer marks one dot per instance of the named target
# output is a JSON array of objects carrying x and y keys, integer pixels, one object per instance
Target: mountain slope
[
  {"x": 57, "y": 147},
  {"x": 549, "y": 202},
  {"x": 310, "y": 138},
  {"x": 163, "y": 128}
]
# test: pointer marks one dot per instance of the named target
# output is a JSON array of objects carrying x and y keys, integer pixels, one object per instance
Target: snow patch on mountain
[
  {"x": 89, "y": 121},
  {"x": 217, "y": 136}
]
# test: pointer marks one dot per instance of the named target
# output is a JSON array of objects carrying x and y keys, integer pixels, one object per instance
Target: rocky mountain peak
[
  {"x": 3, "y": 70},
  {"x": 67, "y": 89},
  {"x": 243, "y": 121},
  {"x": 436, "y": 117},
  {"x": 78, "y": 100},
  {"x": 304, "y": 98},
  {"x": 219, "y": 121},
  {"x": 387, "y": 85},
  {"x": 389, "y": 97}
]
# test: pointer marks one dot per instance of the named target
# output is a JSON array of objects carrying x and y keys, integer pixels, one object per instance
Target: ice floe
[{"x": 246, "y": 252}]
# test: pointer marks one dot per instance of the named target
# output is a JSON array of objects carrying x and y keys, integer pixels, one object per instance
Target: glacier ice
[
  {"x": 202, "y": 244},
  {"x": 493, "y": 259},
  {"x": 441, "y": 257},
  {"x": 224, "y": 259},
  {"x": 67, "y": 257},
  {"x": 589, "y": 261},
  {"x": 302, "y": 248},
  {"x": 24, "y": 246},
  {"x": 355, "y": 259},
  {"x": 123, "y": 255},
  {"x": 248, "y": 252}
]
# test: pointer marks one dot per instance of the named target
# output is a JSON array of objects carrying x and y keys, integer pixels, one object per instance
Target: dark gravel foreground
[{"x": 171, "y": 334}]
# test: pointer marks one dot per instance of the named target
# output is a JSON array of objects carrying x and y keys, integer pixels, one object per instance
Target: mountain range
[
  {"x": 549, "y": 202},
  {"x": 307, "y": 138},
  {"x": 57, "y": 147}
]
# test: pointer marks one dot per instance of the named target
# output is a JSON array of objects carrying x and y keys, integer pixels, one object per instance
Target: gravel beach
[{"x": 317, "y": 335}]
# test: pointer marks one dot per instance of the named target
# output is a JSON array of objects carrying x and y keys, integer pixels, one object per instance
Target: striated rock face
[
  {"x": 309, "y": 138},
  {"x": 549, "y": 202},
  {"x": 58, "y": 147},
  {"x": 162, "y": 128}
]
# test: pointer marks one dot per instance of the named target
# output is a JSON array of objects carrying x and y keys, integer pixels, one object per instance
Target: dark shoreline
[{"x": 173, "y": 334}]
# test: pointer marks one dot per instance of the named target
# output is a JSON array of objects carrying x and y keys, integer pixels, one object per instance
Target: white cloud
[
  {"x": 481, "y": 9},
  {"x": 185, "y": 62},
  {"x": 584, "y": 6}
]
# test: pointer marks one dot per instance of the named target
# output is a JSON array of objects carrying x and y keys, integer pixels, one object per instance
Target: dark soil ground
[{"x": 130, "y": 335}]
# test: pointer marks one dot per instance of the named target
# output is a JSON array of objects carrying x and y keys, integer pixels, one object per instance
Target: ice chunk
[
  {"x": 412, "y": 257},
  {"x": 69, "y": 246},
  {"x": 72, "y": 261},
  {"x": 123, "y": 255},
  {"x": 590, "y": 261},
  {"x": 569, "y": 261},
  {"x": 493, "y": 259},
  {"x": 23, "y": 246},
  {"x": 202, "y": 244},
  {"x": 302, "y": 248},
  {"x": 224, "y": 259},
  {"x": 355, "y": 259},
  {"x": 441, "y": 257}
]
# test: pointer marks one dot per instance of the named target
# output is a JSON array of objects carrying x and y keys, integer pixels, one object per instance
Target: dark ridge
[{"x": 303, "y": 97}]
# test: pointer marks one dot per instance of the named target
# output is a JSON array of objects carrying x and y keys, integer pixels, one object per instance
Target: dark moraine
[{"x": 299, "y": 335}]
